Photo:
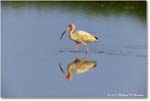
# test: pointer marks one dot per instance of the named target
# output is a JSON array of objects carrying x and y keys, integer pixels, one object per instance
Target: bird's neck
[{"x": 71, "y": 35}]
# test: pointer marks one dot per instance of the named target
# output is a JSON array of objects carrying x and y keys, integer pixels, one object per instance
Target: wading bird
[
  {"x": 80, "y": 37},
  {"x": 78, "y": 66}
]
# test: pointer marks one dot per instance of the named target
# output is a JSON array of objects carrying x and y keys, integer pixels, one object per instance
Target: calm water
[{"x": 32, "y": 51}]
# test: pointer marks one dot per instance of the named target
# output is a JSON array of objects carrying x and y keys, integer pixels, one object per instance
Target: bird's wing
[
  {"x": 85, "y": 36},
  {"x": 82, "y": 32}
]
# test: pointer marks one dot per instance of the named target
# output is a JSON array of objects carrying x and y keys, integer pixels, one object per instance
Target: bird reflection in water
[{"x": 78, "y": 66}]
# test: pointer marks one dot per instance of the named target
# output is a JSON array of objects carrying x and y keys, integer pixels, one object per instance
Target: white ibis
[
  {"x": 78, "y": 66},
  {"x": 80, "y": 37}
]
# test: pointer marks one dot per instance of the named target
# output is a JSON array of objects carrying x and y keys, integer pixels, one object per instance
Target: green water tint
[{"x": 89, "y": 8}]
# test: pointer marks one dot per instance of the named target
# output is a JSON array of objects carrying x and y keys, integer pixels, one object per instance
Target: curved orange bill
[{"x": 62, "y": 34}]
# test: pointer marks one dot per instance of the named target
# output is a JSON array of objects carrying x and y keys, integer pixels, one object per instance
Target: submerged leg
[{"x": 76, "y": 49}]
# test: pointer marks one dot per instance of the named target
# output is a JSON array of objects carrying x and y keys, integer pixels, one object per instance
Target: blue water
[{"x": 32, "y": 51}]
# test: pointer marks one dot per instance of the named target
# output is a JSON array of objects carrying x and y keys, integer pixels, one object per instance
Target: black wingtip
[{"x": 96, "y": 38}]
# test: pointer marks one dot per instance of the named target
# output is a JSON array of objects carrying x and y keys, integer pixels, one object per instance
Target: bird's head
[
  {"x": 69, "y": 28},
  {"x": 68, "y": 75}
]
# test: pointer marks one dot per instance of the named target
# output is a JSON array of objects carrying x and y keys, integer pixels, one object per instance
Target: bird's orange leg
[{"x": 86, "y": 49}]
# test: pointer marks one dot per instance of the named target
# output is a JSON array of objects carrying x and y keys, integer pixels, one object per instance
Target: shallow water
[{"x": 32, "y": 51}]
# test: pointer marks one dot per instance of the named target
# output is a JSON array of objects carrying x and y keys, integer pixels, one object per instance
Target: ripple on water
[{"x": 135, "y": 50}]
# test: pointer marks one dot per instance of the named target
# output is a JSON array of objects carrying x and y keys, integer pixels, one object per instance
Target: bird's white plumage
[{"x": 84, "y": 37}]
